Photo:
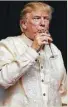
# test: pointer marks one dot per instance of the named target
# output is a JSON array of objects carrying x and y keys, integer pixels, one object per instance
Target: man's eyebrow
[{"x": 37, "y": 16}]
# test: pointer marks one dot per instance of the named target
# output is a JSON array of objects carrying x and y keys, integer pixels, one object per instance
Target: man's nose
[{"x": 42, "y": 22}]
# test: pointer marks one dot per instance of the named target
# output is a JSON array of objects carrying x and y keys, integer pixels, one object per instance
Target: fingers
[
  {"x": 45, "y": 38},
  {"x": 41, "y": 39}
]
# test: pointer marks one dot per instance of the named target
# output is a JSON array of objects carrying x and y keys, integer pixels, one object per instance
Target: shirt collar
[{"x": 26, "y": 40}]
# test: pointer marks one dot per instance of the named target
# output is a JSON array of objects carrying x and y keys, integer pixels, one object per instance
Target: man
[{"x": 31, "y": 67}]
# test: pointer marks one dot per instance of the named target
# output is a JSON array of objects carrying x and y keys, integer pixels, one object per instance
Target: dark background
[{"x": 9, "y": 22}]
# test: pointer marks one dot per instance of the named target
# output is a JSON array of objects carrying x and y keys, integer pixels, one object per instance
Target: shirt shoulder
[
  {"x": 11, "y": 41},
  {"x": 7, "y": 40},
  {"x": 13, "y": 45}
]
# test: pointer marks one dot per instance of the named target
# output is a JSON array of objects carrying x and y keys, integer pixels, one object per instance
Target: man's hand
[{"x": 40, "y": 40}]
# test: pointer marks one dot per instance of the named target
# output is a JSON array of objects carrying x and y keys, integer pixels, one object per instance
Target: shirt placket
[{"x": 44, "y": 87}]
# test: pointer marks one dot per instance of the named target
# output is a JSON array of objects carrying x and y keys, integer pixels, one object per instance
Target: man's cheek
[{"x": 35, "y": 28}]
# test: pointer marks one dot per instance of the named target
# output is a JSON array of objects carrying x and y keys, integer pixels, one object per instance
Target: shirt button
[
  {"x": 41, "y": 67},
  {"x": 42, "y": 80},
  {"x": 39, "y": 53},
  {"x": 44, "y": 94},
  {"x": 36, "y": 60}
]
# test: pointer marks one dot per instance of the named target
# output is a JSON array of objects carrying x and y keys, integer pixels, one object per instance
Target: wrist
[{"x": 37, "y": 49}]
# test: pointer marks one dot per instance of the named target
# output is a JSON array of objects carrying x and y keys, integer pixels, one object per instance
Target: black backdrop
[{"x": 9, "y": 22}]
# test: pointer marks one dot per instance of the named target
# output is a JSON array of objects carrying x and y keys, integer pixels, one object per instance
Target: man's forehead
[{"x": 38, "y": 13}]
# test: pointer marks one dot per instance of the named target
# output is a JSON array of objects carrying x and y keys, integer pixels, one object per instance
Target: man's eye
[
  {"x": 46, "y": 18},
  {"x": 36, "y": 18}
]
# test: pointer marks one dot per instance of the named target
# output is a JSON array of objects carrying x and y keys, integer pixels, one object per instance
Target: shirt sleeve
[
  {"x": 63, "y": 85},
  {"x": 12, "y": 68},
  {"x": 63, "y": 82}
]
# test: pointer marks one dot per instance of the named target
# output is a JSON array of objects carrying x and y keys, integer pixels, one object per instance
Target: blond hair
[{"x": 33, "y": 6}]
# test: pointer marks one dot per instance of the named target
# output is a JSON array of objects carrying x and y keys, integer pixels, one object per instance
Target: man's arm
[{"x": 12, "y": 68}]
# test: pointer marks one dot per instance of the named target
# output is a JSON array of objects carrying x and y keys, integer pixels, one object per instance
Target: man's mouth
[{"x": 43, "y": 31}]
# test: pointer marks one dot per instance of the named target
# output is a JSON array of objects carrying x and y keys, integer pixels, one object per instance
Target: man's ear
[{"x": 22, "y": 25}]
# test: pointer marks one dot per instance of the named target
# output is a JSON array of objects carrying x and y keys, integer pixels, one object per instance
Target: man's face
[{"x": 36, "y": 22}]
